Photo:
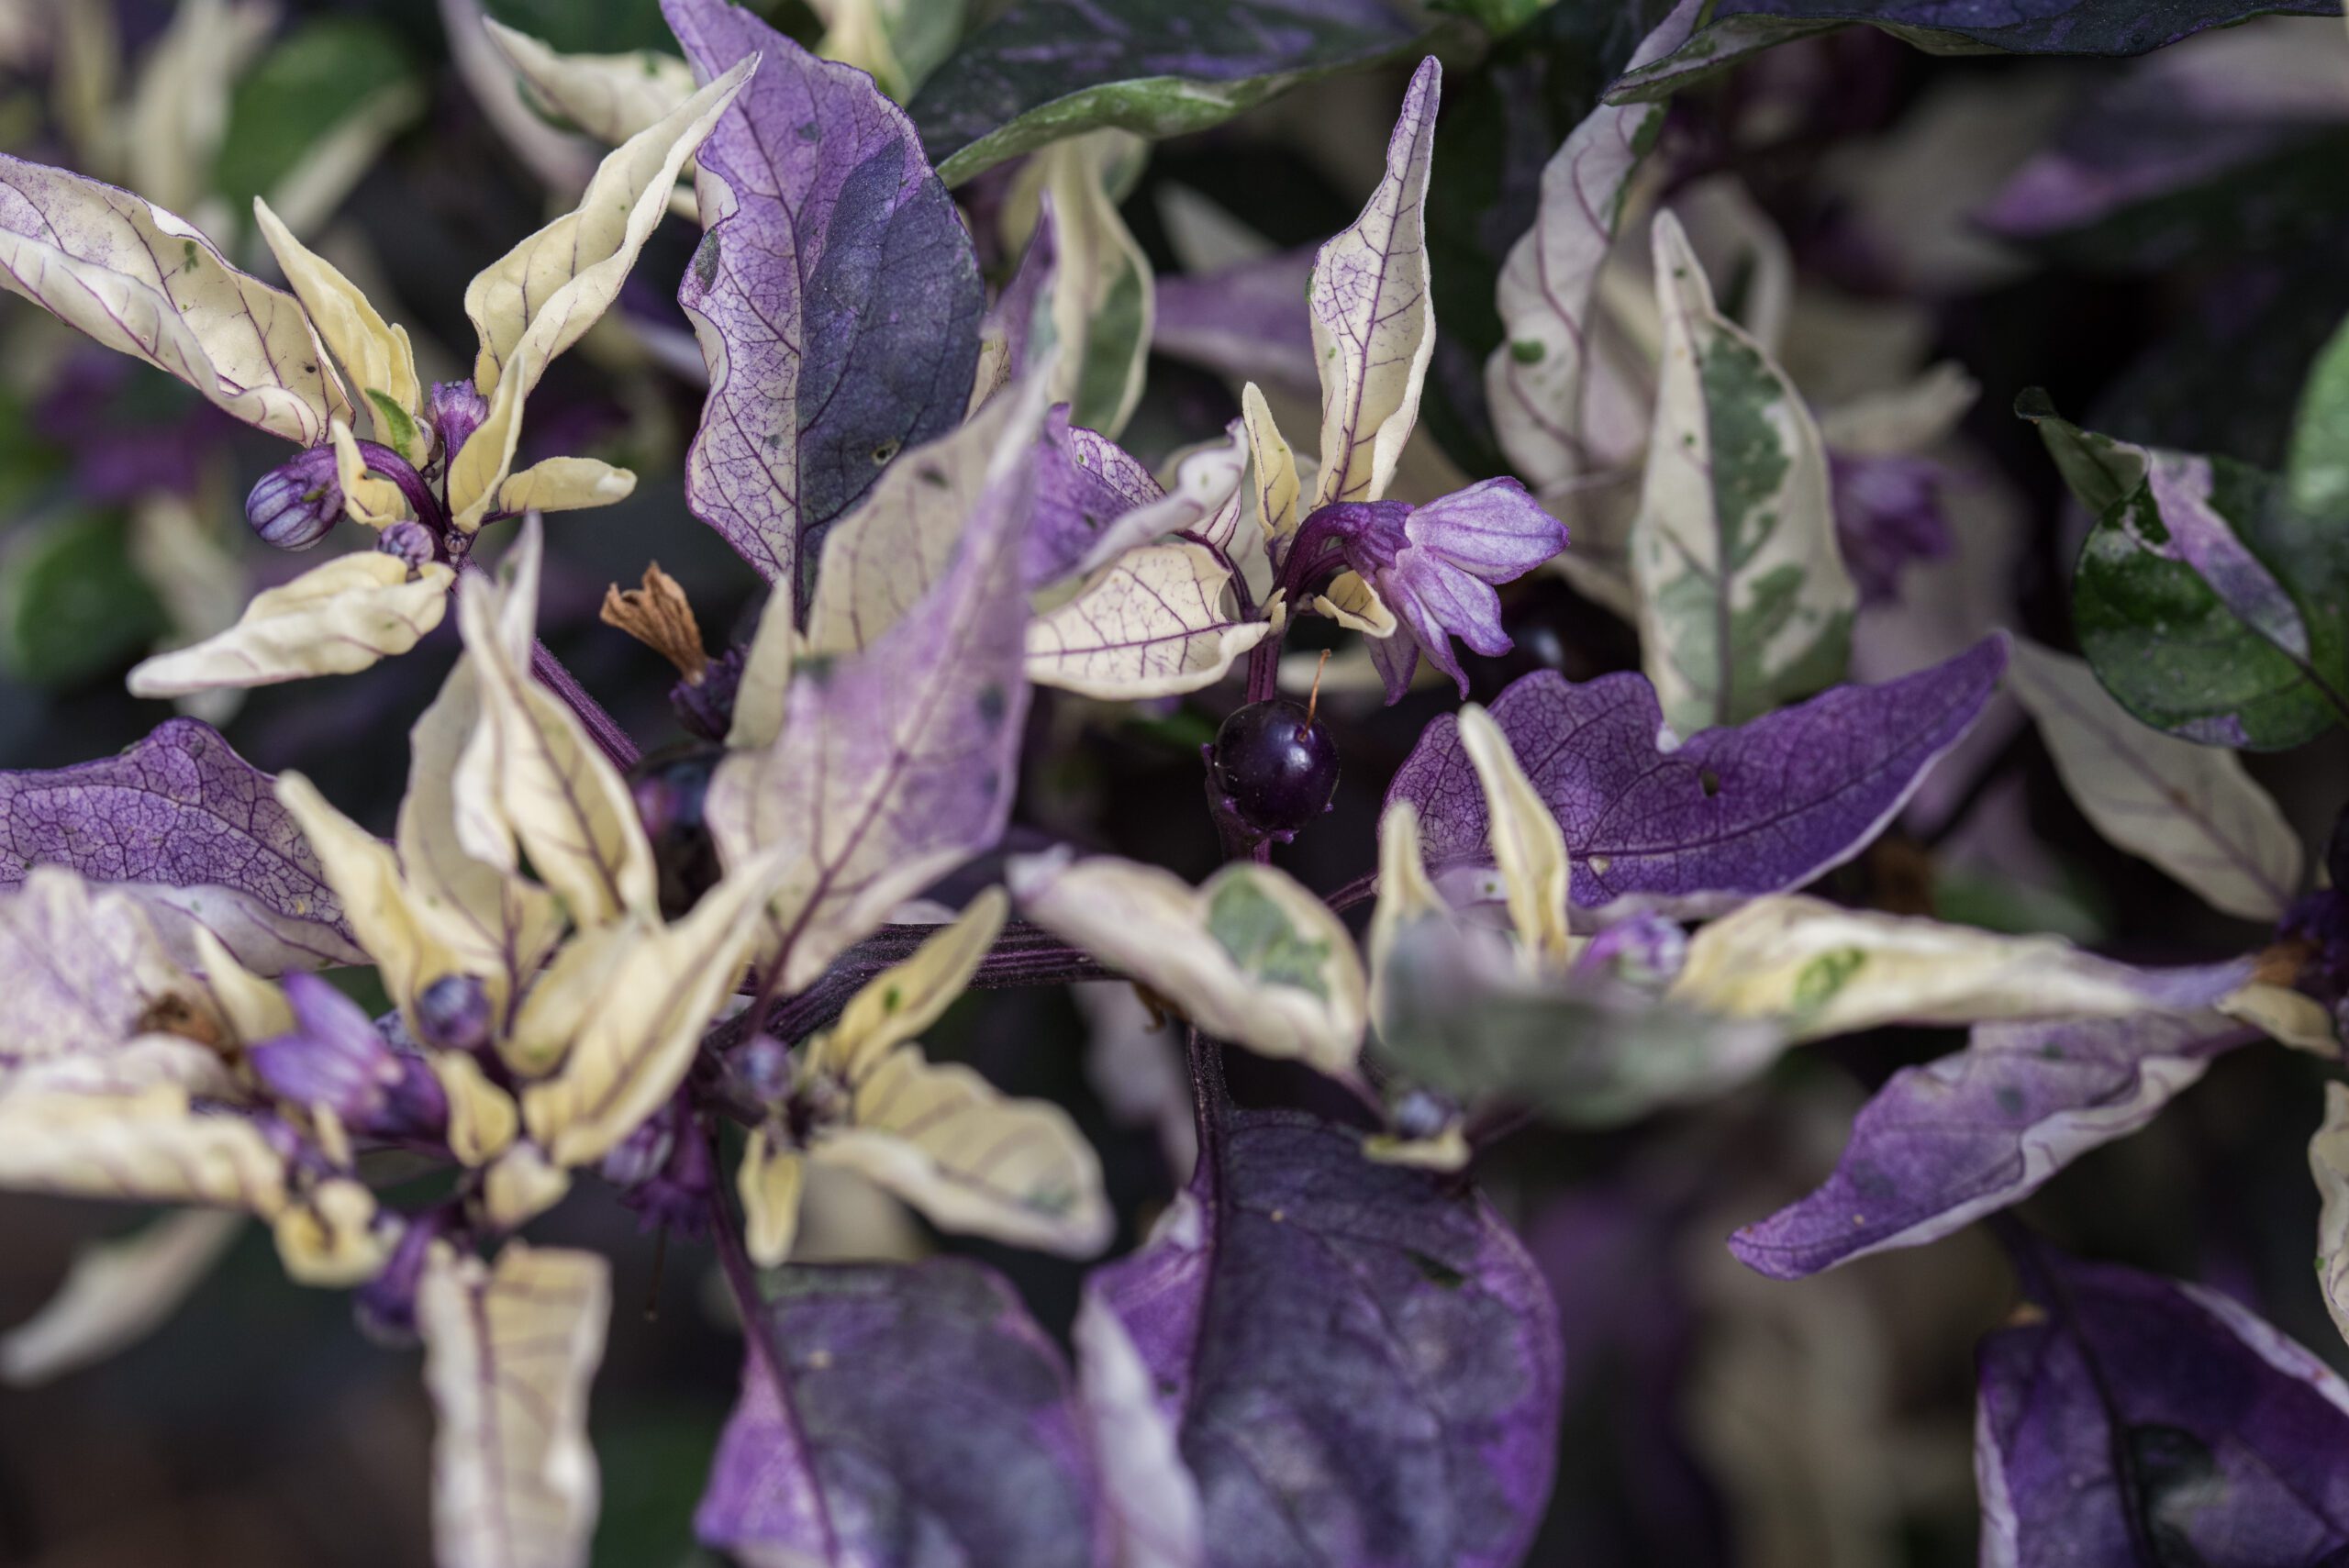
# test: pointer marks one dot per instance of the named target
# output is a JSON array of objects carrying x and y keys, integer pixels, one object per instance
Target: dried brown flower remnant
[{"x": 658, "y": 616}]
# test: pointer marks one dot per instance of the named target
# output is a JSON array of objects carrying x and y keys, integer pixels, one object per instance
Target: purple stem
[
  {"x": 382, "y": 460},
  {"x": 610, "y": 737}
]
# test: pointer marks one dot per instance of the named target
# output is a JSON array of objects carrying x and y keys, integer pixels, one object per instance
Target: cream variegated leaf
[
  {"x": 770, "y": 1182},
  {"x": 520, "y": 1185},
  {"x": 1534, "y": 382},
  {"x": 335, "y": 619},
  {"x": 903, "y": 1000},
  {"x": 887, "y": 552},
  {"x": 610, "y": 96},
  {"x": 253, "y": 1008},
  {"x": 1823, "y": 970},
  {"x": 1161, "y": 620},
  {"x": 69, "y": 1132},
  {"x": 1374, "y": 317},
  {"x": 2328, "y": 1163},
  {"x": 1745, "y": 602},
  {"x": 565, "y": 484},
  {"x": 530, "y": 776},
  {"x": 114, "y": 1294},
  {"x": 392, "y": 921},
  {"x": 495, "y": 928},
  {"x": 635, "y": 1043},
  {"x": 373, "y": 353},
  {"x": 1406, "y": 895},
  {"x": 2192, "y": 810},
  {"x": 86, "y": 968},
  {"x": 565, "y": 993},
  {"x": 1272, "y": 473},
  {"x": 145, "y": 283},
  {"x": 1250, "y": 956},
  {"x": 1104, "y": 293},
  {"x": 329, "y": 1238},
  {"x": 971, "y": 1159},
  {"x": 541, "y": 296},
  {"x": 508, "y": 1354},
  {"x": 483, "y": 1120},
  {"x": 1528, "y": 845}
]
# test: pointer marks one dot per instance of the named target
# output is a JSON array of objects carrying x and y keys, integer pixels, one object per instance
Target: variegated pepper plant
[{"x": 1579, "y": 914}]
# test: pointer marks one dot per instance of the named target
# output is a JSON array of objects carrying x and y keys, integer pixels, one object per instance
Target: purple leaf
[
  {"x": 1085, "y": 482},
  {"x": 1732, "y": 813},
  {"x": 2138, "y": 1421},
  {"x": 1359, "y": 1362},
  {"x": 896, "y": 761},
  {"x": 196, "y": 833},
  {"x": 1944, "y": 1144},
  {"x": 1247, "y": 321},
  {"x": 928, "y": 1421},
  {"x": 836, "y": 293}
]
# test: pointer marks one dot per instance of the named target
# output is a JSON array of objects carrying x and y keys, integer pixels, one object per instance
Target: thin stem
[
  {"x": 1361, "y": 890},
  {"x": 602, "y": 727},
  {"x": 759, "y": 1334},
  {"x": 1210, "y": 1099}
]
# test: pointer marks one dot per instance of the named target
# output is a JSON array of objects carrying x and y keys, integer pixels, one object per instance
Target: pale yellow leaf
[
  {"x": 521, "y": 1185},
  {"x": 334, "y": 619},
  {"x": 1528, "y": 845},
  {"x": 376, "y": 502},
  {"x": 610, "y": 96},
  {"x": 1406, "y": 895},
  {"x": 483, "y": 1119},
  {"x": 1250, "y": 956},
  {"x": 373, "y": 353},
  {"x": 1273, "y": 472},
  {"x": 634, "y": 1046},
  {"x": 508, "y": 1353},
  {"x": 254, "y": 1009},
  {"x": 1822, "y": 970},
  {"x": 146, "y": 282},
  {"x": 329, "y": 1238},
  {"x": 135, "y": 1144},
  {"x": 970, "y": 1159},
  {"x": 116, "y": 1293},
  {"x": 530, "y": 775},
  {"x": 1354, "y": 604},
  {"x": 565, "y": 484},
  {"x": 541, "y": 296},
  {"x": 770, "y": 1182},
  {"x": 904, "y": 999}
]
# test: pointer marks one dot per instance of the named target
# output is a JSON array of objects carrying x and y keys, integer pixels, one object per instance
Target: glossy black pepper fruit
[
  {"x": 670, "y": 788},
  {"x": 1276, "y": 764}
]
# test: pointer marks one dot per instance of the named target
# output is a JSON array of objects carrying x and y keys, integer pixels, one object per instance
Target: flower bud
[
  {"x": 664, "y": 1170},
  {"x": 453, "y": 1013},
  {"x": 454, "y": 411},
  {"x": 294, "y": 503},
  {"x": 409, "y": 541},
  {"x": 1645, "y": 950},
  {"x": 385, "y": 1305},
  {"x": 335, "y": 1057}
]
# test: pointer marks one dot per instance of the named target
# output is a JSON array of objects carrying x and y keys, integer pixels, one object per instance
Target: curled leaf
[
  {"x": 334, "y": 619},
  {"x": 116, "y": 1293}
]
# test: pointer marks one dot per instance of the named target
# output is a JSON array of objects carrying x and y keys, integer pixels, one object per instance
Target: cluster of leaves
[{"x": 701, "y": 978}]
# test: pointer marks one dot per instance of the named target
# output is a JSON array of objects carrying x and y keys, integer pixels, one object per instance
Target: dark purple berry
[
  {"x": 671, "y": 789},
  {"x": 1276, "y": 764},
  {"x": 452, "y": 1014},
  {"x": 294, "y": 504}
]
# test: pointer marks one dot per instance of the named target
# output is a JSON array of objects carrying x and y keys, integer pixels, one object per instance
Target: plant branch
[{"x": 602, "y": 727}]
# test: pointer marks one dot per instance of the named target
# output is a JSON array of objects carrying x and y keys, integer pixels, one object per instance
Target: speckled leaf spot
[{"x": 1745, "y": 602}]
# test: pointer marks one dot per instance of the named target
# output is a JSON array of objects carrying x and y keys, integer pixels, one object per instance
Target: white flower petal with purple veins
[
  {"x": 192, "y": 831},
  {"x": 1356, "y": 1364},
  {"x": 1373, "y": 320},
  {"x": 2192, "y": 810},
  {"x": 146, "y": 284},
  {"x": 2123, "y": 1408},
  {"x": 836, "y": 296},
  {"x": 1731, "y": 813},
  {"x": 875, "y": 1396},
  {"x": 1944, "y": 1144}
]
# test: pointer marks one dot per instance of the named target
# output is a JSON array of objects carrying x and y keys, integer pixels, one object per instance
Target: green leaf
[
  {"x": 1041, "y": 71},
  {"x": 2098, "y": 470},
  {"x": 2210, "y": 607},
  {"x": 2317, "y": 472},
  {"x": 71, "y": 604},
  {"x": 1263, "y": 940},
  {"x": 1498, "y": 18},
  {"x": 591, "y": 27},
  {"x": 319, "y": 75},
  {"x": 1738, "y": 28}
]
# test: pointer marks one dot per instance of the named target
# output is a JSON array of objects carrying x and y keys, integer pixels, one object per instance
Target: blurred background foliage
[{"x": 1715, "y": 1418}]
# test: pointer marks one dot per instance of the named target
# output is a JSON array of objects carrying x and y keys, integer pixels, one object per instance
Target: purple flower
[
  {"x": 411, "y": 541},
  {"x": 1888, "y": 514},
  {"x": 386, "y": 1305},
  {"x": 1434, "y": 566},
  {"x": 455, "y": 411},
  {"x": 294, "y": 503},
  {"x": 335, "y": 1057},
  {"x": 664, "y": 1170}
]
